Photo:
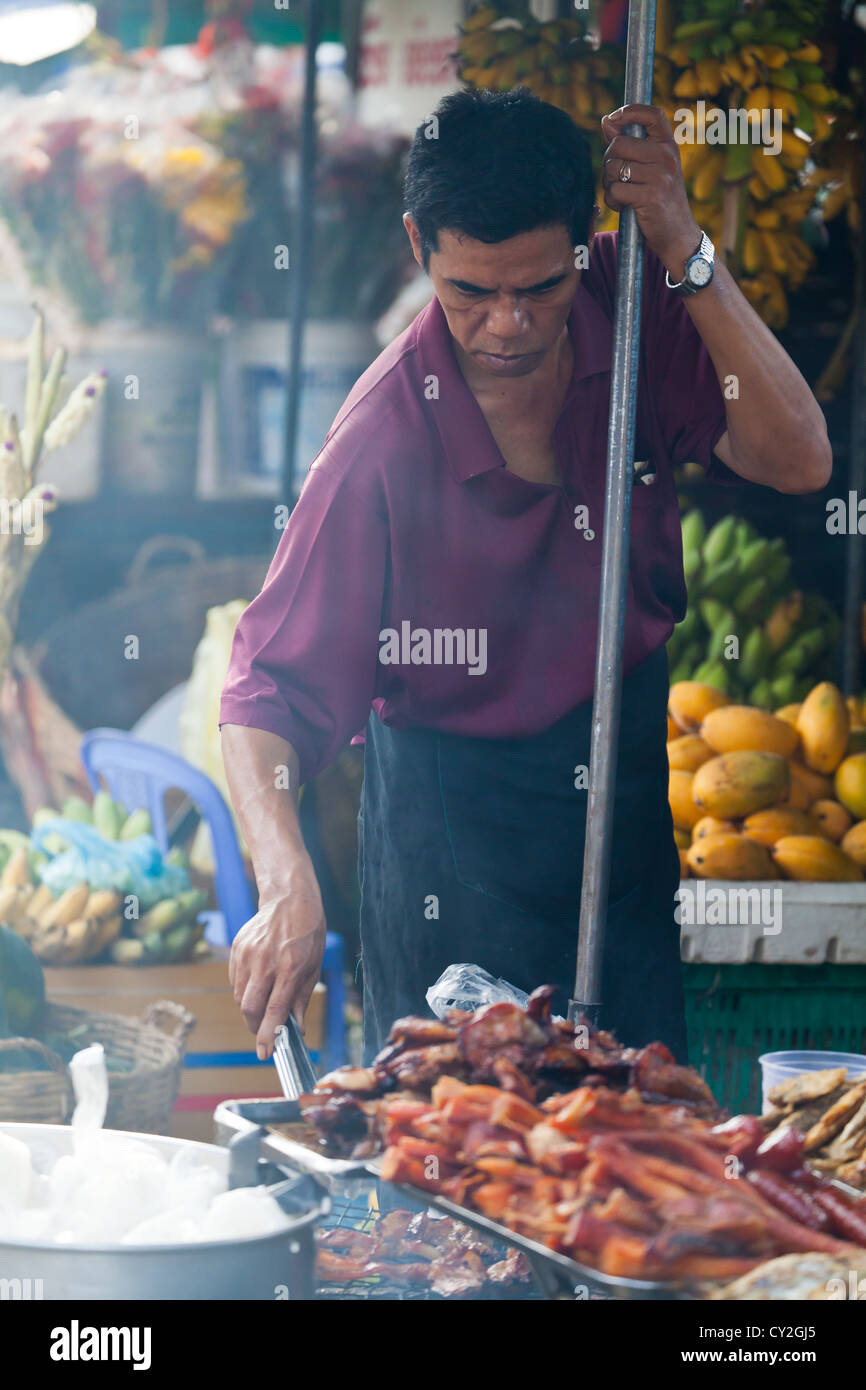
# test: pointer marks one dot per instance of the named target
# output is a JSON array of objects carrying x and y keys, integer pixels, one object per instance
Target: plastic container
[{"x": 782, "y": 1066}]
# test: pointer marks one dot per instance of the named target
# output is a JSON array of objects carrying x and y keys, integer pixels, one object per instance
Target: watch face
[{"x": 700, "y": 272}]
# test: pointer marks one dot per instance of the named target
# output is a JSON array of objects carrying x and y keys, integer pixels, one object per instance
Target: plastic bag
[
  {"x": 125, "y": 866},
  {"x": 469, "y": 987}
]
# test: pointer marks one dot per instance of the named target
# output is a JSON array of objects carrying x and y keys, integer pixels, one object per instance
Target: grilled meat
[
  {"x": 523, "y": 1052},
  {"x": 405, "y": 1247}
]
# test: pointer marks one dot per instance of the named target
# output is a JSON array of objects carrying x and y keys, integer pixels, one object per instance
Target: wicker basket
[{"x": 140, "y": 1099}]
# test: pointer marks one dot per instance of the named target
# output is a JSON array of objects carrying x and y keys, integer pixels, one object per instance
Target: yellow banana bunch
[{"x": 779, "y": 72}]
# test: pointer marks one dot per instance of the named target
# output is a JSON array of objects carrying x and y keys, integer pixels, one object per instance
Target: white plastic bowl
[{"x": 782, "y": 1066}]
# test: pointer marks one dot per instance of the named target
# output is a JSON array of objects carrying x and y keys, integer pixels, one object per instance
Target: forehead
[{"x": 525, "y": 259}]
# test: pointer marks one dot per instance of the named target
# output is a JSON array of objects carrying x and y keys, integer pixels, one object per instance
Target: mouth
[{"x": 511, "y": 362}]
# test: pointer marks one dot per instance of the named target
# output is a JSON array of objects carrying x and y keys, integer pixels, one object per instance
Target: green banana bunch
[
  {"x": 755, "y": 656},
  {"x": 720, "y": 541},
  {"x": 738, "y": 583}
]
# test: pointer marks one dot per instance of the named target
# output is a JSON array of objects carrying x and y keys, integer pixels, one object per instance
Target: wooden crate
[{"x": 220, "y": 1063}]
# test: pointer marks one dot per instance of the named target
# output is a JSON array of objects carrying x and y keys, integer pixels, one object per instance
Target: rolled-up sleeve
[
  {"x": 304, "y": 657},
  {"x": 689, "y": 399}
]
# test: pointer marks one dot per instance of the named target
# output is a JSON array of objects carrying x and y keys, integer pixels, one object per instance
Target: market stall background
[{"x": 160, "y": 256}]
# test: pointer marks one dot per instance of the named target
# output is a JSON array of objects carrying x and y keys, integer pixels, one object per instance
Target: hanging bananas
[
  {"x": 759, "y": 62},
  {"x": 762, "y": 63},
  {"x": 556, "y": 61}
]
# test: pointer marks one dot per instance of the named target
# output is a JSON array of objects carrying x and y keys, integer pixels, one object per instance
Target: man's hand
[
  {"x": 655, "y": 189},
  {"x": 776, "y": 432},
  {"x": 276, "y": 957}
]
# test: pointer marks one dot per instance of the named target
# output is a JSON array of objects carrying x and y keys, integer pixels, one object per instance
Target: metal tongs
[{"x": 292, "y": 1061}]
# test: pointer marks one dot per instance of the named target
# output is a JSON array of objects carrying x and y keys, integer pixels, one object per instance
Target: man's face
[{"x": 506, "y": 304}]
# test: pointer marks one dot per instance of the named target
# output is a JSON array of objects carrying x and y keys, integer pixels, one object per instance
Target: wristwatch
[{"x": 698, "y": 271}]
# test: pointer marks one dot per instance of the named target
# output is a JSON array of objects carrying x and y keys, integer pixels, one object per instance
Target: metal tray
[
  {"x": 299, "y": 1146},
  {"x": 559, "y": 1276}
]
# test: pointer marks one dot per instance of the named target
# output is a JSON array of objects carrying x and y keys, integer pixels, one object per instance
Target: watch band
[{"x": 707, "y": 252}]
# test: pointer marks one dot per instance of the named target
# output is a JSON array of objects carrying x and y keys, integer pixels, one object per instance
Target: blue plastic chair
[{"x": 139, "y": 774}]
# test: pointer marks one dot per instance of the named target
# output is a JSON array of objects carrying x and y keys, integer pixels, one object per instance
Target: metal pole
[
  {"x": 614, "y": 565},
  {"x": 852, "y": 649},
  {"x": 300, "y": 254}
]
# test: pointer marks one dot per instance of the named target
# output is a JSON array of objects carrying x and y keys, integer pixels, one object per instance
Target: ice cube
[
  {"x": 191, "y": 1183},
  {"x": 172, "y": 1227},
  {"x": 245, "y": 1211}
]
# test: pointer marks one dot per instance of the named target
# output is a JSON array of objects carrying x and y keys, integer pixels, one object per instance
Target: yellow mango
[
  {"x": 683, "y": 809},
  {"x": 682, "y": 838},
  {"x": 689, "y": 703},
  {"x": 790, "y": 714},
  {"x": 854, "y": 843},
  {"x": 815, "y": 860},
  {"x": 686, "y": 753},
  {"x": 736, "y": 784},
  {"x": 823, "y": 724},
  {"x": 740, "y": 728},
  {"x": 766, "y": 827},
  {"x": 729, "y": 856},
  {"x": 813, "y": 786},
  {"x": 834, "y": 820},
  {"x": 850, "y": 785},
  {"x": 711, "y": 825}
]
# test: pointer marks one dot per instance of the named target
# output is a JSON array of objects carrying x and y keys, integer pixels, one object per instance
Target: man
[{"x": 442, "y": 566}]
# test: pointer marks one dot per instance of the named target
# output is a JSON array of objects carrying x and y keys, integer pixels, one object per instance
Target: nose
[{"x": 507, "y": 319}]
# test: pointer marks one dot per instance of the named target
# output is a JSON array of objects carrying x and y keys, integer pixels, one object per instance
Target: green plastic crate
[{"x": 734, "y": 1013}]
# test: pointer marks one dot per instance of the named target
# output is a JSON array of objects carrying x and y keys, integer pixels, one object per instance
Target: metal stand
[
  {"x": 852, "y": 649},
  {"x": 300, "y": 254},
  {"x": 614, "y": 567}
]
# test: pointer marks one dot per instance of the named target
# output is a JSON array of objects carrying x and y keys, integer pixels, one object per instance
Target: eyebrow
[{"x": 548, "y": 284}]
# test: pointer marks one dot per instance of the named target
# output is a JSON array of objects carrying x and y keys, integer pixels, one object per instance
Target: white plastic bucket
[{"x": 782, "y": 1066}]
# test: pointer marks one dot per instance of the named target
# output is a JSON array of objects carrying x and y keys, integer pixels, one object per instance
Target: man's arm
[
  {"x": 300, "y": 682},
  {"x": 776, "y": 433},
  {"x": 276, "y": 957}
]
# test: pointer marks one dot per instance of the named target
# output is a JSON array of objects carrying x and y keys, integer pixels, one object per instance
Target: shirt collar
[{"x": 467, "y": 442}]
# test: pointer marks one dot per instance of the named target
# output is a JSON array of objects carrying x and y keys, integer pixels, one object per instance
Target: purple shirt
[{"x": 418, "y": 575}]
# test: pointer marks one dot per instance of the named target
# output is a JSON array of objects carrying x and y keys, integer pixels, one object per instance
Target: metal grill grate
[{"x": 355, "y": 1207}]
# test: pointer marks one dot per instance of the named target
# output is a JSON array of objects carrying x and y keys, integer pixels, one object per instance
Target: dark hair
[{"x": 499, "y": 163}]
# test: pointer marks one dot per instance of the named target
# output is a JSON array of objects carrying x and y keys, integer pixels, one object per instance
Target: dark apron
[{"x": 471, "y": 849}]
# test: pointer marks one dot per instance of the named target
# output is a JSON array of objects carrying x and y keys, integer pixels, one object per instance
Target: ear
[{"x": 415, "y": 238}]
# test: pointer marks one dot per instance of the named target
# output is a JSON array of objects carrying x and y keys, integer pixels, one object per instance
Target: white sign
[{"x": 407, "y": 60}]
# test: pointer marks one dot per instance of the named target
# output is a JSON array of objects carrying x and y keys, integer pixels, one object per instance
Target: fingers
[
  {"x": 612, "y": 173},
  {"x": 651, "y": 118},
  {"x": 254, "y": 1001},
  {"x": 623, "y": 195},
  {"x": 303, "y": 998},
  {"x": 275, "y": 1015},
  {"x": 633, "y": 150}
]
